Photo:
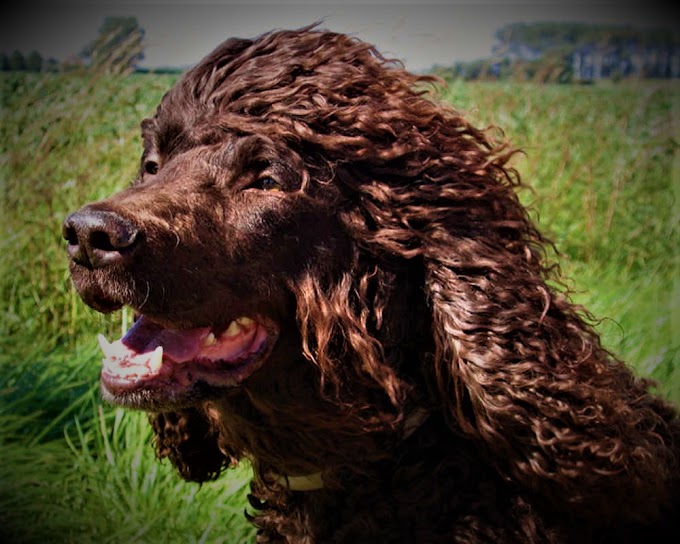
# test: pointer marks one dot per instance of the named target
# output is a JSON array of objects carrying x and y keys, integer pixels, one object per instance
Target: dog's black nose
[{"x": 98, "y": 238}]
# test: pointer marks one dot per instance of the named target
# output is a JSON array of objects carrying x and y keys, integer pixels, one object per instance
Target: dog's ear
[
  {"x": 519, "y": 370},
  {"x": 514, "y": 365},
  {"x": 190, "y": 442}
]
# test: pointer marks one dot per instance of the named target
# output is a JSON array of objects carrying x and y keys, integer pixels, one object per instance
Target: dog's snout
[{"x": 99, "y": 238}]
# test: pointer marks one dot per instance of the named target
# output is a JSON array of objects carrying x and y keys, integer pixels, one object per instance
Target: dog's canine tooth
[
  {"x": 156, "y": 360},
  {"x": 232, "y": 330},
  {"x": 104, "y": 345},
  {"x": 112, "y": 350},
  {"x": 210, "y": 340}
]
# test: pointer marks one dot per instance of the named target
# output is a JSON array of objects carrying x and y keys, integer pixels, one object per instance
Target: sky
[{"x": 180, "y": 33}]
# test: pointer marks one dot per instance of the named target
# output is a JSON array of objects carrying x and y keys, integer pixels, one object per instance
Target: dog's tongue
[
  {"x": 178, "y": 345},
  {"x": 150, "y": 350}
]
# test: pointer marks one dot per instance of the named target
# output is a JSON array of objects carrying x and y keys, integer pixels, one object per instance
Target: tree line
[
  {"x": 33, "y": 62},
  {"x": 118, "y": 47},
  {"x": 574, "y": 52},
  {"x": 545, "y": 52}
]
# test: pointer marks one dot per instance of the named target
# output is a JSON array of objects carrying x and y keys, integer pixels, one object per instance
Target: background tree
[
  {"x": 34, "y": 62},
  {"x": 590, "y": 51},
  {"x": 119, "y": 47},
  {"x": 51, "y": 65},
  {"x": 17, "y": 61}
]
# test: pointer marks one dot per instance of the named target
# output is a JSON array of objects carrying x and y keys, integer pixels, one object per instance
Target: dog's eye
[
  {"x": 267, "y": 183},
  {"x": 151, "y": 167}
]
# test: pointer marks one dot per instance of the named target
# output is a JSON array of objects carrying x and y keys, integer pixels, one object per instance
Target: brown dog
[{"x": 336, "y": 280}]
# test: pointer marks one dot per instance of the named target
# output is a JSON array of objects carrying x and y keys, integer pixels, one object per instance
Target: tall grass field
[{"x": 603, "y": 165}]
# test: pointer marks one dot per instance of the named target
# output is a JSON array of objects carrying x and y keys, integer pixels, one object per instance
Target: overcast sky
[{"x": 179, "y": 33}]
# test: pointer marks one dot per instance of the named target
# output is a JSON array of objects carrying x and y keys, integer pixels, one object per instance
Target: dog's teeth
[
  {"x": 112, "y": 350},
  {"x": 156, "y": 360},
  {"x": 245, "y": 321},
  {"x": 233, "y": 330},
  {"x": 210, "y": 340},
  {"x": 104, "y": 344}
]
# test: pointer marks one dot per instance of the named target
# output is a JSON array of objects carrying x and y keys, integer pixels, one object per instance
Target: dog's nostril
[
  {"x": 101, "y": 240},
  {"x": 69, "y": 234},
  {"x": 118, "y": 236},
  {"x": 98, "y": 238}
]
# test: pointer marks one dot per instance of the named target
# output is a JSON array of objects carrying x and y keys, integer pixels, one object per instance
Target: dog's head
[
  {"x": 296, "y": 200},
  {"x": 249, "y": 225},
  {"x": 304, "y": 213}
]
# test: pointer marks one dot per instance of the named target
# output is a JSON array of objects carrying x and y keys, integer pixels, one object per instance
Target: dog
[{"x": 335, "y": 279}]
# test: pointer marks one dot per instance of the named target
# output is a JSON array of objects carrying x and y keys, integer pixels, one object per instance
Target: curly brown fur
[
  {"x": 191, "y": 444},
  {"x": 398, "y": 273}
]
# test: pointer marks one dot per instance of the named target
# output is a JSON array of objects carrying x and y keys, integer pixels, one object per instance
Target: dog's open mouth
[{"x": 152, "y": 357}]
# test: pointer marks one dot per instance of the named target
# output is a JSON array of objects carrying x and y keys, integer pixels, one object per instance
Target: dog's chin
[
  {"x": 162, "y": 398},
  {"x": 155, "y": 368}
]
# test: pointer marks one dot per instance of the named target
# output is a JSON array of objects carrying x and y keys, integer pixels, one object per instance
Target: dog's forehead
[
  {"x": 209, "y": 141},
  {"x": 232, "y": 154},
  {"x": 169, "y": 135}
]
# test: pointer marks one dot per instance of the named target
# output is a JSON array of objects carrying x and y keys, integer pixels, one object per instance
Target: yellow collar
[{"x": 308, "y": 482}]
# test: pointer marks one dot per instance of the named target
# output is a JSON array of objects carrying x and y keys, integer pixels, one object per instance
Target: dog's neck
[{"x": 314, "y": 481}]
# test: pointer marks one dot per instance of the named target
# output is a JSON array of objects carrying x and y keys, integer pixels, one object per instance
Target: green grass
[
  {"x": 74, "y": 470},
  {"x": 600, "y": 160}
]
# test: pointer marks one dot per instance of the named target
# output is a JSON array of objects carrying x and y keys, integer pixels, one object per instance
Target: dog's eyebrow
[
  {"x": 249, "y": 152},
  {"x": 172, "y": 138}
]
